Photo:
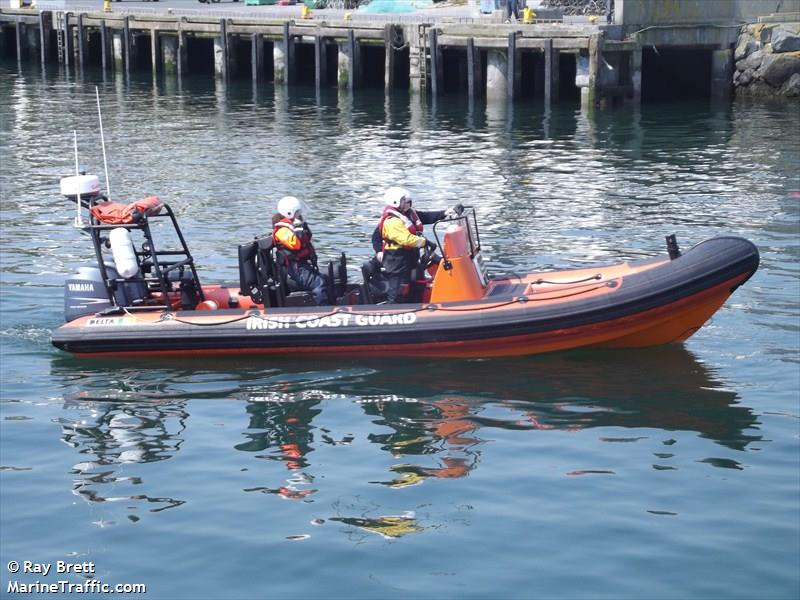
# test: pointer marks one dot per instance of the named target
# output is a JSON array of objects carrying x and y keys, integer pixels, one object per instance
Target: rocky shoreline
[{"x": 768, "y": 60}]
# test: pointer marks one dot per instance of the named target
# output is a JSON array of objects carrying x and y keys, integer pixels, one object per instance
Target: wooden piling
[
  {"x": 81, "y": 41},
  {"x": 104, "y": 46},
  {"x": 635, "y": 65},
  {"x": 351, "y": 46},
  {"x": 221, "y": 65},
  {"x": 433, "y": 46},
  {"x": 45, "y": 25},
  {"x": 154, "y": 48},
  {"x": 285, "y": 64},
  {"x": 182, "y": 54},
  {"x": 548, "y": 71},
  {"x": 511, "y": 63},
  {"x": 473, "y": 59},
  {"x": 388, "y": 44},
  {"x": 317, "y": 61},
  {"x": 67, "y": 47},
  {"x": 126, "y": 46},
  {"x": 257, "y": 57},
  {"x": 19, "y": 31},
  {"x": 555, "y": 70},
  {"x": 320, "y": 62}
]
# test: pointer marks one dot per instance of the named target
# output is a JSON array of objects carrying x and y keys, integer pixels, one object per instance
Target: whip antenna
[
  {"x": 102, "y": 141},
  {"x": 78, "y": 219}
]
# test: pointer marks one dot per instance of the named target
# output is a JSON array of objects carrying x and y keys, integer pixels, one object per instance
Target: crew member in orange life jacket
[
  {"x": 291, "y": 233},
  {"x": 400, "y": 231}
]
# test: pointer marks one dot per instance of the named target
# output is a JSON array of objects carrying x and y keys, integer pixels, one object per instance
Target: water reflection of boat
[
  {"x": 441, "y": 433},
  {"x": 433, "y": 421},
  {"x": 444, "y": 427},
  {"x": 282, "y": 431},
  {"x": 663, "y": 388},
  {"x": 120, "y": 433}
]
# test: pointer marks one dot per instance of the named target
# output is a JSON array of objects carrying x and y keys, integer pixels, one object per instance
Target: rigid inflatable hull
[{"x": 623, "y": 306}]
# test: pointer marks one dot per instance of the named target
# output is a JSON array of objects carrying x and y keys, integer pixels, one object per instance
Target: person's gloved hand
[
  {"x": 299, "y": 227},
  {"x": 454, "y": 211},
  {"x": 431, "y": 246}
]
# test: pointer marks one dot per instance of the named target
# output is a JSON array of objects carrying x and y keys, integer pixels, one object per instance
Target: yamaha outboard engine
[{"x": 85, "y": 293}]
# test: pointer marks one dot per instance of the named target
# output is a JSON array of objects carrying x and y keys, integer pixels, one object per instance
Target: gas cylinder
[{"x": 123, "y": 252}]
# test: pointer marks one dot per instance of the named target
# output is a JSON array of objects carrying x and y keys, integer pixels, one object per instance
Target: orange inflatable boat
[{"x": 142, "y": 299}]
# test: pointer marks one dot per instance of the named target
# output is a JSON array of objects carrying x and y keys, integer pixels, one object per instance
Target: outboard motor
[{"x": 85, "y": 293}]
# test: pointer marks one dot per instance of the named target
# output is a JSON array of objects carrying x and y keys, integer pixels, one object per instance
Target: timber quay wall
[
  {"x": 599, "y": 63},
  {"x": 491, "y": 60}
]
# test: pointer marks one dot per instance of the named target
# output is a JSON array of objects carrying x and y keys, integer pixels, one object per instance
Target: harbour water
[{"x": 667, "y": 473}]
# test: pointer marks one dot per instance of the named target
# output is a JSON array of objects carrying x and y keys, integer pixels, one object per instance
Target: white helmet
[
  {"x": 395, "y": 195},
  {"x": 289, "y": 206}
]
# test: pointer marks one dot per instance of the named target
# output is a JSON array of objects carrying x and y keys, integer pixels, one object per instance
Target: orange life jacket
[
  {"x": 115, "y": 213},
  {"x": 306, "y": 250}
]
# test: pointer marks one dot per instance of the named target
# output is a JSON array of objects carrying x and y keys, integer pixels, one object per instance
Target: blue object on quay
[{"x": 395, "y": 6}]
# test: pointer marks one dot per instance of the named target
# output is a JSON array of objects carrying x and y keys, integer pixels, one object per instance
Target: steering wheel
[{"x": 427, "y": 256}]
